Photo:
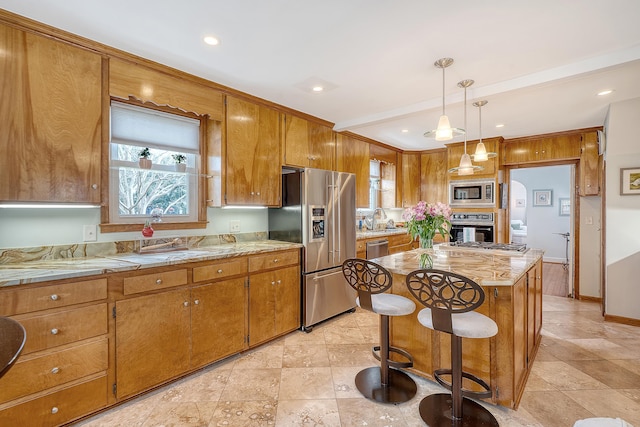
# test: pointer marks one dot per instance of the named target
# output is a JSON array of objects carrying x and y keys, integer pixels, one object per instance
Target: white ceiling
[{"x": 538, "y": 63}]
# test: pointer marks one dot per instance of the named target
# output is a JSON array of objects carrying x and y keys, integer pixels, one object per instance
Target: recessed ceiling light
[
  {"x": 210, "y": 40},
  {"x": 605, "y": 92},
  {"x": 405, "y": 130},
  {"x": 500, "y": 125},
  {"x": 317, "y": 88}
]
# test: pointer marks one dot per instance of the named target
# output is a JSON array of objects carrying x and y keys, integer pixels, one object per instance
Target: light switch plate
[
  {"x": 90, "y": 233},
  {"x": 234, "y": 226}
]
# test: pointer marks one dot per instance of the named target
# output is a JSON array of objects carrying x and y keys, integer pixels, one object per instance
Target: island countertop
[
  {"x": 512, "y": 283},
  {"x": 486, "y": 267}
]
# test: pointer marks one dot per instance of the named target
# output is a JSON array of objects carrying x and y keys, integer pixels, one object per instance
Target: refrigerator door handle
[
  {"x": 329, "y": 201},
  {"x": 337, "y": 196}
]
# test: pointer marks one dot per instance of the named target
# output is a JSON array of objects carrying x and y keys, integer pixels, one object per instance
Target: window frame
[{"x": 107, "y": 226}]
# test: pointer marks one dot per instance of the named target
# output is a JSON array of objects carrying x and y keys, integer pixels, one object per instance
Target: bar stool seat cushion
[
  {"x": 391, "y": 304},
  {"x": 467, "y": 325}
]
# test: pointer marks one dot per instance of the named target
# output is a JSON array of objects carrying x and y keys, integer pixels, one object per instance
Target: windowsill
[{"x": 114, "y": 228}]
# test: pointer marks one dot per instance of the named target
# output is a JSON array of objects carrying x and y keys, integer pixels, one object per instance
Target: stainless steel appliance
[
  {"x": 477, "y": 193},
  {"x": 319, "y": 211},
  {"x": 482, "y": 223},
  {"x": 377, "y": 248}
]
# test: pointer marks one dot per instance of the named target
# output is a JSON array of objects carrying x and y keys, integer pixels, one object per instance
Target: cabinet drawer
[
  {"x": 59, "y": 407},
  {"x": 64, "y": 327},
  {"x": 153, "y": 281},
  {"x": 220, "y": 270},
  {"x": 43, "y": 372},
  {"x": 51, "y": 296},
  {"x": 273, "y": 260},
  {"x": 399, "y": 239}
]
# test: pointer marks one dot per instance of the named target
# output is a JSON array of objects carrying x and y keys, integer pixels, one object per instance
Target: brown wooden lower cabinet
[
  {"x": 503, "y": 361},
  {"x": 152, "y": 340},
  {"x": 274, "y": 304},
  {"x": 96, "y": 342},
  {"x": 59, "y": 407}
]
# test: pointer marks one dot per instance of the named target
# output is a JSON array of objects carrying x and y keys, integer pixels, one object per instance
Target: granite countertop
[
  {"x": 367, "y": 234},
  {"x": 19, "y": 273},
  {"x": 488, "y": 268}
]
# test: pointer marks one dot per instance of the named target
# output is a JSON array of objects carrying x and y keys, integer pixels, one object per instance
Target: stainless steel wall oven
[{"x": 482, "y": 224}]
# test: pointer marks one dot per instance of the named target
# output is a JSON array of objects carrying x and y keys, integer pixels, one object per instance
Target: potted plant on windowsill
[
  {"x": 144, "y": 162},
  {"x": 180, "y": 159}
]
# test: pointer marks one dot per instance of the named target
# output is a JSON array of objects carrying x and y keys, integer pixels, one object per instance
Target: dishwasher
[{"x": 377, "y": 248}]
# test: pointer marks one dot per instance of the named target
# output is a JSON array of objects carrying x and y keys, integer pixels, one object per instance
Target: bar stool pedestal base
[
  {"x": 401, "y": 388},
  {"x": 436, "y": 411}
]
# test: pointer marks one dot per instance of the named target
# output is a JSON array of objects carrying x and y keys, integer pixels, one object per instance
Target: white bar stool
[
  {"x": 382, "y": 384},
  {"x": 449, "y": 301}
]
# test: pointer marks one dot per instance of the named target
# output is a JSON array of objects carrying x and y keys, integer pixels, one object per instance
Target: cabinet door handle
[
  {"x": 273, "y": 283},
  {"x": 94, "y": 186},
  {"x": 159, "y": 282},
  {"x": 54, "y": 410},
  {"x": 196, "y": 302},
  {"x": 55, "y": 370},
  {"x": 258, "y": 193},
  {"x": 219, "y": 271},
  {"x": 54, "y": 331},
  {"x": 278, "y": 281},
  {"x": 275, "y": 260},
  {"x": 186, "y": 303},
  {"x": 54, "y": 297}
]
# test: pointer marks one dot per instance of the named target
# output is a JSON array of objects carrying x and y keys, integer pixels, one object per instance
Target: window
[{"x": 163, "y": 190}]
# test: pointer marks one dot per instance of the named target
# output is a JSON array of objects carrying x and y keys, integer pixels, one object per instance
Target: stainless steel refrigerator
[{"x": 318, "y": 210}]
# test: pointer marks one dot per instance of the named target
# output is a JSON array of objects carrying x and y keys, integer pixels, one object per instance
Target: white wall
[
  {"x": 622, "y": 212},
  {"x": 21, "y": 227},
  {"x": 544, "y": 221}
]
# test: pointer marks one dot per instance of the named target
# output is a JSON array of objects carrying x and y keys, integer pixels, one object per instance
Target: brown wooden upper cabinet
[
  {"x": 253, "y": 166},
  {"x": 307, "y": 144},
  {"x": 455, "y": 151},
  {"x": 589, "y": 165},
  {"x": 50, "y": 137},
  {"x": 435, "y": 178},
  {"x": 410, "y": 179},
  {"x": 352, "y": 155},
  {"x": 542, "y": 149}
]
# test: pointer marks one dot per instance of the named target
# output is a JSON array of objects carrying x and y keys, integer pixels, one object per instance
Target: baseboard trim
[
  {"x": 623, "y": 320},
  {"x": 588, "y": 298}
]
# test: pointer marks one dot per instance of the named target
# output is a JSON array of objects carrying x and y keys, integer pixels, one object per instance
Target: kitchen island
[{"x": 513, "y": 299}]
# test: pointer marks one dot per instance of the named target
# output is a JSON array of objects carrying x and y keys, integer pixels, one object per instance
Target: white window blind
[{"x": 144, "y": 127}]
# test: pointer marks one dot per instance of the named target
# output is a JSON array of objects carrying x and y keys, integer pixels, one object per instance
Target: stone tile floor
[{"x": 584, "y": 368}]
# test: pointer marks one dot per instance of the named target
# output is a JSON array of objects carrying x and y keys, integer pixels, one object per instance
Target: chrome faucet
[{"x": 377, "y": 213}]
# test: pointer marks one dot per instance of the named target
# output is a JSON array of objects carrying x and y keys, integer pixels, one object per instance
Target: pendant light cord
[
  {"x": 443, "y": 91},
  {"x": 465, "y": 119}
]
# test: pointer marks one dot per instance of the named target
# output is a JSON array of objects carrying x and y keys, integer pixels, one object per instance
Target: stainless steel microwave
[{"x": 472, "y": 193}]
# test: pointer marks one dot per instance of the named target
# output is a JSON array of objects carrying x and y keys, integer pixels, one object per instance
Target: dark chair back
[
  {"x": 445, "y": 293},
  {"x": 367, "y": 278}
]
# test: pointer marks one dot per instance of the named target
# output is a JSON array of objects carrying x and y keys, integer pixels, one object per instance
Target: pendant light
[
  {"x": 481, "y": 154},
  {"x": 444, "y": 131},
  {"x": 465, "y": 167}
]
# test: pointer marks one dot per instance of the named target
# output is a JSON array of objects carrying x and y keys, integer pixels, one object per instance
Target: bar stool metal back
[
  {"x": 382, "y": 384},
  {"x": 449, "y": 301}
]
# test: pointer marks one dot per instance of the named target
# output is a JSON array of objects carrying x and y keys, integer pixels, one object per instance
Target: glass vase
[
  {"x": 426, "y": 243},
  {"x": 425, "y": 261}
]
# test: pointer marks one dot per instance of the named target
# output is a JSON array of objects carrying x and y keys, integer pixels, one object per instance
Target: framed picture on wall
[
  {"x": 565, "y": 206},
  {"x": 629, "y": 181},
  {"x": 542, "y": 197}
]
